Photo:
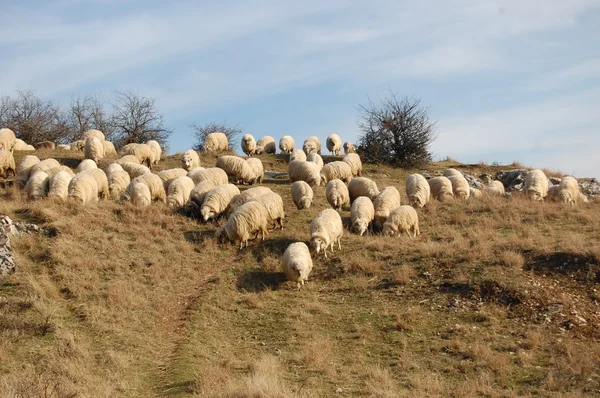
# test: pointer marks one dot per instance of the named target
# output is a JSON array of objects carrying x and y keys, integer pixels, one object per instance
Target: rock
[
  {"x": 513, "y": 180},
  {"x": 7, "y": 228},
  {"x": 473, "y": 181},
  {"x": 589, "y": 186}
]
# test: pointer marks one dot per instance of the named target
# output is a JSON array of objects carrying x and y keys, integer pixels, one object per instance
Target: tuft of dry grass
[{"x": 513, "y": 259}]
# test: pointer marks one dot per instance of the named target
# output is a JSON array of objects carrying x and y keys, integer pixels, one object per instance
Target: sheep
[
  {"x": 244, "y": 196},
  {"x": 355, "y": 163},
  {"x": 118, "y": 180},
  {"x": 403, "y": 219},
  {"x": 417, "y": 190},
  {"x": 190, "y": 160},
  {"x": 21, "y": 145},
  {"x": 93, "y": 149},
  {"x": 63, "y": 147},
  {"x": 312, "y": 144},
  {"x": 7, "y": 164},
  {"x": 441, "y": 188},
  {"x": 495, "y": 188},
  {"x": 553, "y": 192},
  {"x": 83, "y": 188},
  {"x": 258, "y": 172},
  {"x": 387, "y": 200},
  {"x": 452, "y": 172},
  {"x": 109, "y": 149},
  {"x": 297, "y": 263},
  {"x": 154, "y": 184},
  {"x": 24, "y": 169},
  {"x": 237, "y": 169},
  {"x": 179, "y": 191},
  {"x": 44, "y": 165},
  {"x": 77, "y": 146},
  {"x": 337, "y": 170},
  {"x": 286, "y": 144},
  {"x": 29, "y": 148},
  {"x": 111, "y": 168},
  {"x": 250, "y": 219},
  {"x": 349, "y": 148},
  {"x": 86, "y": 164},
  {"x": 325, "y": 229},
  {"x": 362, "y": 213},
  {"x": 265, "y": 145},
  {"x": 37, "y": 185},
  {"x": 101, "y": 179},
  {"x": 362, "y": 186},
  {"x": 216, "y": 143},
  {"x": 58, "y": 169},
  {"x": 334, "y": 144},
  {"x": 460, "y": 187},
  {"x": 8, "y": 140},
  {"x": 316, "y": 158},
  {"x": 475, "y": 193},
  {"x": 192, "y": 207},
  {"x": 93, "y": 133},
  {"x": 140, "y": 194},
  {"x": 49, "y": 145},
  {"x": 127, "y": 159},
  {"x": 248, "y": 144},
  {"x": 536, "y": 185},
  {"x": 337, "y": 194},
  {"x": 297, "y": 155},
  {"x": 156, "y": 149},
  {"x": 143, "y": 152},
  {"x": 302, "y": 195},
  {"x": 170, "y": 174},
  {"x": 301, "y": 170},
  {"x": 568, "y": 190},
  {"x": 274, "y": 204},
  {"x": 135, "y": 170},
  {"x": 58, "y": 186},
  {"x": 214, "y": 174},
  {"x": 217, "y": 201}
]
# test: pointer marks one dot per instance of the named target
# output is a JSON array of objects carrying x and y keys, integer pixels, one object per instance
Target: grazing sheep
[
  {"x": 216, "y": 143},
  {"x": 154, "y": 184},
  {"x": 77, "y": 146},
  {"x": 334, "y": 144},
  {"x": 190, "y": 160},
  {"x": 217, "y": 201},
  {"x": 37, "y": 185},
  {"x": 112, "y": 168},
  {"x": 135, "y": 170},
  {"x": 214, "y": 174},
  {"x": 362, "y": 186},
  {"x": 495, "y": 188},
  {"x": 568, "y": 191},
  {"x": 475, "y": 193},
  {"x": 297, "y": 263},
  {"x": 93, "y": 149},
  {"x": 536, "y": 185},
  {"x": 237, "y": 169},
  {"x": 349, "y": 148},
  {"x": 266, "y": 145},
  {"x": 316, "y": 158},
  {"x": 58, "y": 169},
  {"x": 286, "y": 144},
  {"x": 7, "y": 164},
  {"x": 325, "y": 229},
  {"x": 93, "y": 133},
  {"x": 452, "y": 172},
  {"x": 192, "y": 207},
  {"x": 460, "y": 187},
  {"x": 101, "y": 180},
  {"x": 118, "y": 181},
  {"x": 248, "y": 220},
  {"x": 387, "y": 200},
  {"x": 355, "y": 163},
  {"x": 63, "y": 147},
  {"x": 297, "y": 155},
  {"x": 258, "y": 172},
  {"x": 143, "y": 152},
  {"x": 156, "y": 149},
  {"x": 109, "y": 149},
  {"x": 248, "y": 144},
  {"x": 337, "y": 170},
  {"x": 21, "y": 145},
  {"x": 44, "y": 165},
  {"x": 86, "y": 164},
  {"x": 127, "y": 159},
  {"x": 441, "y": 188},
  {"x": 337, "y": 194},
  {"x": 169, "y": 175},
  {"x": 58, "y": 186},
  {"x": 403, "y": 219},
  {"x": 274, "y": 205},
  {"x": 312, "y": 145},
  {"x": 24, "y": 169},
  {"x": 179, "y": 191},
  {"x": 29, "y": 148},
  {"x": 417, "y": 190},
  {"x": 244, "y": 196},
  {"x": 302, "y": 195},
  {"x": 140, "y": 194},
  {"x": 8, "y": 140},
  {"x": 301, "y": 170},
  {"x": 83, "y": 188},
  {"x": 362, "y": 214},
  {"x": 49, "y": 145}
]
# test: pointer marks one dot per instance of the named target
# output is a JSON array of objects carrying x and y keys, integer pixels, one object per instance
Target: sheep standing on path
[
  {"x": 334, "y": 144},
  {"x": 297, "y": 263},
  {"x": 325, "y": 230}
]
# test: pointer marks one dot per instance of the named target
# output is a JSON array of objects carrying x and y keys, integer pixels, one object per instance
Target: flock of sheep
[{"x": 209, "y": 193}]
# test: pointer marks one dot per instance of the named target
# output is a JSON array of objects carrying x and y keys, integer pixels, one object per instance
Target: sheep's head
[
  {"x": 360, "y": 227},
  {"x": 259, "y": 150},
  {"x": 389, "y": 229},
  {"x": 566, "y": 196},
  {"x": 207, "y": 213},
  {"x": 186, "y": 162},
  {"x": 323, "y": 181},
  {"x": 318, "y": 243},
  {"x": 416, "y": 200},
  {"x": 305, "y": 203},
  {"x": 220, "y": 234},
  {"x": 309, "y": 147},
  {"x": 534, "y": 195}
]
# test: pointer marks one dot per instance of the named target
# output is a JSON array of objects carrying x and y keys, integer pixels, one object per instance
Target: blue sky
[{"x": 506, "y": 80}]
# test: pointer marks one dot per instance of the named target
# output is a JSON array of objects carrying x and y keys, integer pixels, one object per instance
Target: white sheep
[
  {"x": 190, "y": 160},
  {"x": 297, "y": 155},
  {"x": 83, "y": 188},
  {"x": 8, "y": 140},
  {"x": 287, "y": 144},
  {"x": 155, "y": 146},
  {"x": 387, "y": 200},
  {"x": 58, "y": 186},
  {"x": 77, "y": 146},
  {"x": 44, "y": 165},
  {"x": 362, "y": 213},
  {"x": 214, "y": 174},
  {"x": 60, "y": 147},
  {"x": 334, "y": 144},
  {"x": 127, "y": 159},
  {"x": 112, "y": 167},
  {"x": 495, "y": 188},
  {"x": 568, "y": 190},
  {"x": 179, "y": 191},
  {"x": 258, "y": 172},
  {"x": 302, "y": 195},
  {"x": 37, "y": 185},
  {"x": 21, "y": 145},
  {"x": 274, "y": 204},
  {"x": 325, "y": 230},
  {"x": 337, "y": 194},
  {"x": 45, "y": 145},
  {"x": 7, "y": 164},
  {"x": 441, "y": 188},
  {"x": 312, "y": 145},
  {"x": 140, "y": 194},
  {"x": 452, "y": 172},
  {"x": 58, "y": 169},
  {"x": 217, "y": 201},
  {"x": 101, "y": 180},
  {"x": 24, "y": 169},
  {"x": 248, "y": 144},
  {"x": 349, "y": 148},
  {"x": 403, "y": 219},
  {"x": 301, "y": 170},
  {"x": 109, "y": 149},
  {"x": 245, "y": 196},
  {"x": 216, "y": 143},
  {"x": 93, "y": 133},
  {"x": 170, "y": 174},
  {"x": 248, "y": 220},
  {"x": 475, "y": 193},
  {"x": 135, "y": 170},
  {"x": 237, "y": 169},
  {"x": 143, "y": 152},
  {"x": 154, "y": 184},
  {"x": 460, "y": 187},
  {"x": 317, "y": 140},
  {"x": 297, "y": 263},
  {"x": 315, "y": 158},
  {"x": 362, "y": 186},
  {"x": 355, "y": 163},
  {"x": 417, "y": 190},
  {"x": 86, "y": 164},
  {"x": 265, "y": 145},
  {"x": 336, "y": 170},
  {"x": 536, "y": 185},
  {"x": 194, "y": 203},
  {"x": 118, "y": 181}
]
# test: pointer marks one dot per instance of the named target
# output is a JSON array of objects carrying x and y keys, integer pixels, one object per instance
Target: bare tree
[
  {"x": 200, "y": 132},
  {"x": 396, "y": 132},
  {"x": 89, "y": 112},
  {"x": 135, "y": 119}
]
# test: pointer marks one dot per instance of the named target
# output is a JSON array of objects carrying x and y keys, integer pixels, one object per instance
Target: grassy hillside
[{"x": 495, "y": 298}]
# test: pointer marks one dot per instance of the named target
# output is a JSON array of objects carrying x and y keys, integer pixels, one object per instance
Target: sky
[{"x": 513, "y": 80}]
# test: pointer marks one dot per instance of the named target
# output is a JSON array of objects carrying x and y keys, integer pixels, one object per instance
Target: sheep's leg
[{"x": 340, "y": 243}]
